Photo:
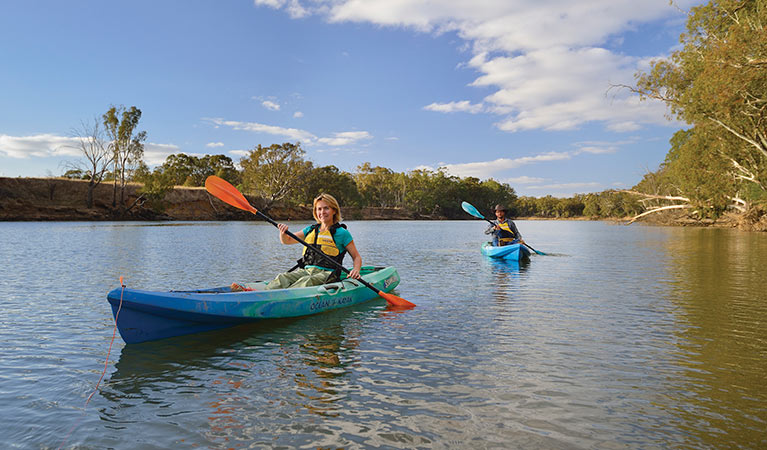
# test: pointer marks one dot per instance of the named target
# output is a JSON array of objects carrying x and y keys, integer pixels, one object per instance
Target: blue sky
[{"x": 506, "y": 89}]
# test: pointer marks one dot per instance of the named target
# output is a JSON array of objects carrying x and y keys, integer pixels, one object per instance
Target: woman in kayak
[
  {"x": 504, "y": 231},
  {"x": 328, "y": 235}
]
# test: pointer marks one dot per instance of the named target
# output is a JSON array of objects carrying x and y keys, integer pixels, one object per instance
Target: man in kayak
[
  {"x": 504, "y": 231},
  {"x": 328, "y": 235}
]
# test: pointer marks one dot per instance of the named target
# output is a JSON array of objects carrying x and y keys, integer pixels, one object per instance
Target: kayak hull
[
  {"x": 512, "y": 252},
  {"x": 150, "y": 315}
]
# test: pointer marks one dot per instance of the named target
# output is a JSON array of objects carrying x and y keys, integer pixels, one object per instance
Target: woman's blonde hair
[{"x": 332, "y": 202}]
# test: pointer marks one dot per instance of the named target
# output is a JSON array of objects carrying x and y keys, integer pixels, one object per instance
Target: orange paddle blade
[
  {"x": 396, "y": 301},
  {"x": 227, "y": 193}
]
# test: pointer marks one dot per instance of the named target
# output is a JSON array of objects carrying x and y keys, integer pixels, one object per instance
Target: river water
[{"x": 620, "y": 337}]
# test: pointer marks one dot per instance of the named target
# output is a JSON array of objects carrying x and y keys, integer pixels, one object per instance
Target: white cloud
[
  {"x": 298, "y": 114},
  {"x": 598, "y": 150},
  {"x": 294, "y": 7},
  {"x": 345, "y": 138},
  {"x": 546, "y": 61},
  {"x": 239, "y": 152},
  {"x": 462, "y": 106},
  {"x": 270, "y": 105},
  {"x": 338, "y": 139},
  {"x": 522, "y": 180},
  {"x": 586, "y": 185},
  {"x": 214, "y": 144},
  {"x": 155, "y": 154},
  {"x": 485, "y": 169},
  {"x": 289, "y": 133},
  {"x": 566, "y": 189},
  {"x": 38, "y": 146}
]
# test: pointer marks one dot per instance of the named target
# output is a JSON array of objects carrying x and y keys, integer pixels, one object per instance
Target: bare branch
[
  {"x": 745, "y": 138},
  {"x": 662, "y": 208},
  {"x": 661, "y": 197}
]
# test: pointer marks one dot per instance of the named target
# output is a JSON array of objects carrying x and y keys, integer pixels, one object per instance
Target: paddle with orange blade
[{"x": 227, "y": 193}]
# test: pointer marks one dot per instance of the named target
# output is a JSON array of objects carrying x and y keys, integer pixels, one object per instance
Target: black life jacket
[{"x": 312, "y": 258}]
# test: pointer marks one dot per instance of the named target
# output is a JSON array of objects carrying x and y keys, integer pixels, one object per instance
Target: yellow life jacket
[
  {"x": 505, "y": 227},
  {"x": 323, "y": 239},
  {"x": 325, "y": 242}
]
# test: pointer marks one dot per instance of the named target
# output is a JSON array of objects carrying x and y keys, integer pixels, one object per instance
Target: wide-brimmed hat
[{"x": 500, "y": 207}]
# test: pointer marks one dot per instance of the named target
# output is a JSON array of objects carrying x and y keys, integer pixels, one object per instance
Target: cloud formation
[
  {"x": 38, "y": 146},
  {"x": 270, "y": 105},
  {"x": 293, "y": 134},
  {"x": 49, "y": 145},
  {"x": 547, "y": 62},
  {"x": 155, "y": 154},
  {"x": 343, "y": 138},
  {"x": 486, "y": 169},
  {"x": 461, "y": 106}
]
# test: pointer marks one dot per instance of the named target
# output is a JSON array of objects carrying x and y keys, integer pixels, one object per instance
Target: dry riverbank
[{"x": 61, "y": 199}]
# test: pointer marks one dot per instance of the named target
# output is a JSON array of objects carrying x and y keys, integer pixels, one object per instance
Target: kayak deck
[{"x": 511, "y": 252}]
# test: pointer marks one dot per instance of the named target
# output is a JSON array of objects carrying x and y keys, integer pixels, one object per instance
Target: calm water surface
[{"x": 625, "y": 337}]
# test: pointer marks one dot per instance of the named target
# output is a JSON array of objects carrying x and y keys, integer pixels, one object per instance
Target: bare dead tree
[{"x": 97, "y": 156}]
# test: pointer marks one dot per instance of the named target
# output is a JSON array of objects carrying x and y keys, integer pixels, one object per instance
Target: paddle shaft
[{"x": 318, "y": 251}]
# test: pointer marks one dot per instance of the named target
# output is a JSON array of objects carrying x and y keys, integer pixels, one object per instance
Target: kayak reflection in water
[
  {"x": 328, "y": 235},
  {"x": 504, "y": 230}
]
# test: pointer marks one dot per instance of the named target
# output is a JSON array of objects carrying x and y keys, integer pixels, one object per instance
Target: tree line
[{"x": 280, "y": 174}]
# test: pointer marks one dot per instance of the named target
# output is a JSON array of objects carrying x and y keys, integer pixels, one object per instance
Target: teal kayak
[
  {"x": 511, "y": 252},
  {"x": 151, "y": 315}
]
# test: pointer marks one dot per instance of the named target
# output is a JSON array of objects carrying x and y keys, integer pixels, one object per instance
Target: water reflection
[
  {"x": 506, "y": 276},
  {"x": 289, "y": 365},
  {"x": 720, "y": 288}
]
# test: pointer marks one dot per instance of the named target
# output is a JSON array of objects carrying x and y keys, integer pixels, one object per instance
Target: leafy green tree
[
  {"x": 274, "y": 172},
  {"x": 127, "y": 145},
  {"x": 155, "y": 187},
  {"x": 717, "y": 82},
  {"x": 185, "y": 170},
  {"x": 380, "y": 186},
  {"x": 420, "y": 195},
  {"x": 331, "y": 180}
]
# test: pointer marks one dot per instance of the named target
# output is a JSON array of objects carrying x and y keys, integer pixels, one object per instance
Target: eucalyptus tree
[
  {"x": 380, "y": 186},
  {"x": 717, "y": 82},
  {"x": 328, "y": 179},
  {"x": 274, "y": 172},
  {"x": 126, "y": 144},
  {"x": 189, "y": 170}
]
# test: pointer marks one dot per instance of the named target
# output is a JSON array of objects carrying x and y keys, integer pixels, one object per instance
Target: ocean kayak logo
[
  {"x": 391, "y": 280},
  {"x": 329, "y": 303}
]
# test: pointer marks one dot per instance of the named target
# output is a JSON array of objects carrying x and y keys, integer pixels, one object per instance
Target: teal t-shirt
[{"x": 342, "y": 237}]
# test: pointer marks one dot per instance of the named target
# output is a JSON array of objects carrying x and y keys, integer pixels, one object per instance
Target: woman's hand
[
  {"x": 351, "y": 247},
  {"x": 284, "y": 238}
]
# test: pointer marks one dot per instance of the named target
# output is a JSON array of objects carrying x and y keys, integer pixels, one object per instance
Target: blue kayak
[
  {"x": 151, "y": 315},
  {"x": 511, "y": 252}
]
